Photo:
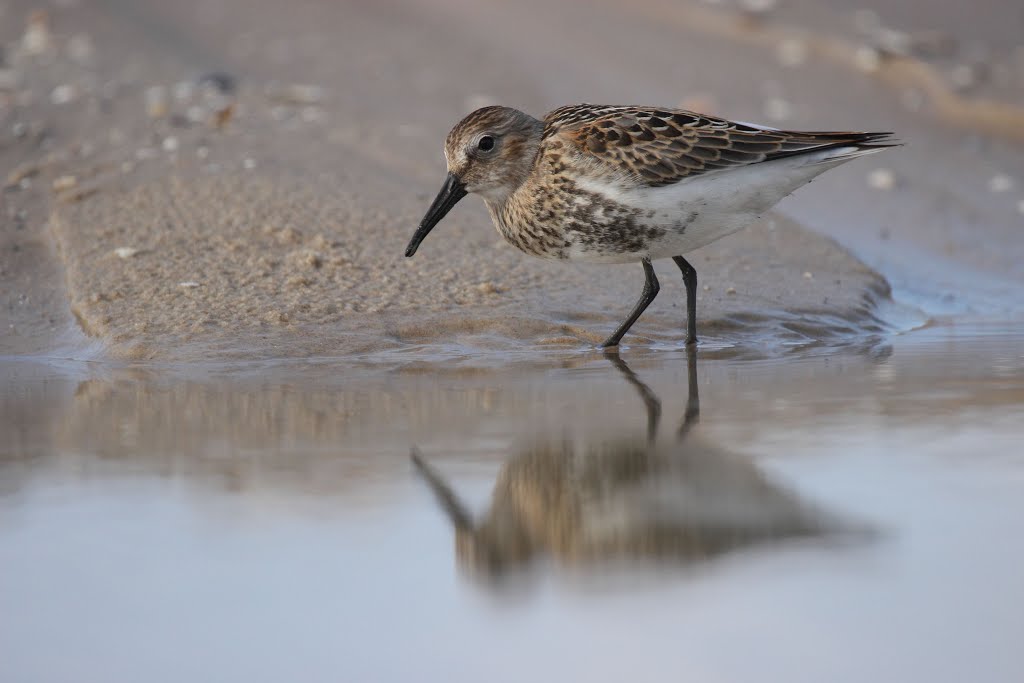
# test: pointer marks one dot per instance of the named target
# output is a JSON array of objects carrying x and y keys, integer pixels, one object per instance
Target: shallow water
[{"x": 841, "y": 514}]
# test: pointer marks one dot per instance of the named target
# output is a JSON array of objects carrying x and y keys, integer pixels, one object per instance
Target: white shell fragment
[
  {"x": 1000, "y": 183},
  {"x": 882, "y": 179}
]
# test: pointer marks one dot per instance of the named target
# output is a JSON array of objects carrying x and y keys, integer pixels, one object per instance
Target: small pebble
[
  {"x": 730, "y": 290},
  {"x": 63, "y": 94},
  {"x": 127, "y": 252},
  {"x": 249, "y": 164},
  {"x": 223, "y": 82},
  {"x": 170, "y": 144},
  {"x": 65, "y": 182},
  {"x": 36, "y": 39},
  {"x": 189, "y": 284},
  {"x": 881, "y": 179},
  {"x": 1000, "y": 183},
  {"x": 808, "y": 275},
  {"x": 707, "y": 288}
]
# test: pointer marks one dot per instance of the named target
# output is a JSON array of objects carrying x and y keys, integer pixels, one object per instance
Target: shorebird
[{"x": 620, "y": 184}]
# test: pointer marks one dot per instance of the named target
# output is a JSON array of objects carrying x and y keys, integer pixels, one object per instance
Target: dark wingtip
[{"x": 879, "y": 139}]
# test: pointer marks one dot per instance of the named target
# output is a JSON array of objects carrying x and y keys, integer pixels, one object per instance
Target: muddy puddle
[{"x": 716, "y": 516}]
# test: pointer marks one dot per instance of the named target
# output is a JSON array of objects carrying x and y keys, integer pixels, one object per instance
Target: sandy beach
[{"x": 214, "y": 356}]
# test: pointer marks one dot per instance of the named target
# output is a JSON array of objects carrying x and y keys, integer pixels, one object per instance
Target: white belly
[{"x": 700, "y": 210}]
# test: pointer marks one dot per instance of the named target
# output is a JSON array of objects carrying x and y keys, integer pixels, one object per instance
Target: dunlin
[{"x": 619, "y": 184}]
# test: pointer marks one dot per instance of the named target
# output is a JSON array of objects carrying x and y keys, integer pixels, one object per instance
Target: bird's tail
[{"x": 830, "y": 148}]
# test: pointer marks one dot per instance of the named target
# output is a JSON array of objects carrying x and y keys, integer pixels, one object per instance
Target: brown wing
[{"x": 655, "y": 146}]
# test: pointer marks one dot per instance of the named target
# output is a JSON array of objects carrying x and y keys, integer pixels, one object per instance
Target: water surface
[{"x": 846, "y": 515}]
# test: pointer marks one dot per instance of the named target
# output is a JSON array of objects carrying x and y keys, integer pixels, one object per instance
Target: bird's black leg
[
  {"x": 651, "y": 288},
  {"x": 690, "y": 280}
]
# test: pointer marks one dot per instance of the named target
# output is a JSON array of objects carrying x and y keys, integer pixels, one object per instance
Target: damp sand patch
[{"x": 247, "y": 267}]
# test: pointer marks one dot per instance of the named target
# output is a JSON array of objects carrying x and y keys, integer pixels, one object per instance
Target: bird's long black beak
[{"x": 449, "y": 196}]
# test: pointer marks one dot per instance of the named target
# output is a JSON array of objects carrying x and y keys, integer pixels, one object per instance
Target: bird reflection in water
[{"x": 626, "y": 500}]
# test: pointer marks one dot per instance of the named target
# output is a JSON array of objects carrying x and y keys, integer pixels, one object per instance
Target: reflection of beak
[
  {"x": 449, "y": 196},
  {"x": 460, "y": 518}
]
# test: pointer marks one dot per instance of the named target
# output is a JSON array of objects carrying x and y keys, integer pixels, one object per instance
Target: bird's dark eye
[{"x": 485, "y": 144}]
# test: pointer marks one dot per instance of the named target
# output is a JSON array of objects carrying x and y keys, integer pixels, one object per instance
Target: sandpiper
[{"x": 619, "y": 184}]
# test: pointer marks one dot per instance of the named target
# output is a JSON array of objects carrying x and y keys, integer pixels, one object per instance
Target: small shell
[
  {"x": 1000, "y": 183},
  {"x": 63, "y": 94},
  {"x": 882, "y": 179}
]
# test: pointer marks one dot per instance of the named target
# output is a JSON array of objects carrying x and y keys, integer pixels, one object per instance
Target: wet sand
[
  {"x": 214, "y": 358},
  {"x": 265, "y": 221}
]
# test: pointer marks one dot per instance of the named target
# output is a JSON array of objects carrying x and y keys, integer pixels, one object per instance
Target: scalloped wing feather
[{"x": 656, "y": 146}]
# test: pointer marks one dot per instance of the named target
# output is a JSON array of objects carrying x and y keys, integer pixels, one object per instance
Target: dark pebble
[{"x": 223, "y": 82}]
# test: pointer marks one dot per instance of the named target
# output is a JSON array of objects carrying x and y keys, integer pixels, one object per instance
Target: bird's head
[{"x": 490, "y": 153}]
